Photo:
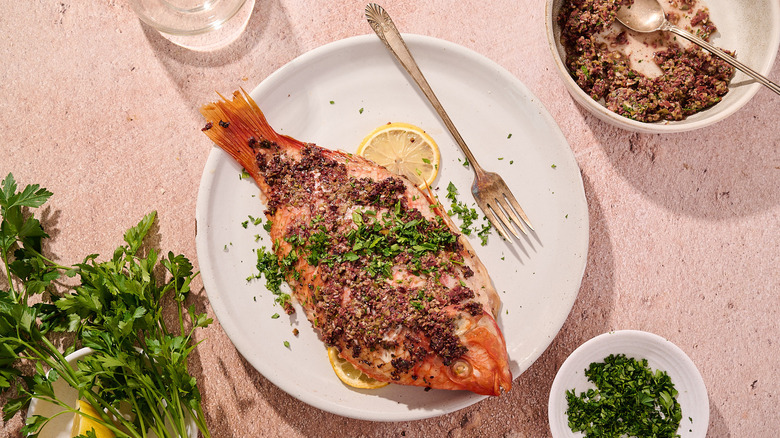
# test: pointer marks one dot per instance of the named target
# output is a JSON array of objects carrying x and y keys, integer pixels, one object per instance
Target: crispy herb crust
[{"x": 385, "y": 275}]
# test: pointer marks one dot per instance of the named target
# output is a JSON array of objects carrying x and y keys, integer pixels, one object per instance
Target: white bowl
[
  {"x": 660, "y": 354},
  {"x": 60, "y": 426},
  {"x": 749, "y": 27}
]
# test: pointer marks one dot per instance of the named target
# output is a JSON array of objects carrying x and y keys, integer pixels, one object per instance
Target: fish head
[{"x": 484, "y": 368}]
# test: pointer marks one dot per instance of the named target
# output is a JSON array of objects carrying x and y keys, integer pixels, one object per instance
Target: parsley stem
[
  {"x": 51, "y": 263},
  {"x": 65, "y": 371},
  {"x": 11, "y": 290},
  {"x": 56, "y": 361}
]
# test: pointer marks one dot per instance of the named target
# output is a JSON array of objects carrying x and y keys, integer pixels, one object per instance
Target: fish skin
[{"x": 404, "y": 325}]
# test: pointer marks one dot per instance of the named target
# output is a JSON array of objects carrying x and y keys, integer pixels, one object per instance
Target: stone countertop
[{"x": 103, "y": 111}]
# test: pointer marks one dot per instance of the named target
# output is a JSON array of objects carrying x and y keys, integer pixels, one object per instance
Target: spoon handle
[
  {"x": 723, "y": 55},
  {"x": 383, "y": 25}
]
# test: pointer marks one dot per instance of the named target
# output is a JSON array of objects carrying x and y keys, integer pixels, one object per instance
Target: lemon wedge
[
  {"x": 403, "y": 149},
  {"x": 349, "y": 374},
  {"x": 82, "y": 424}
]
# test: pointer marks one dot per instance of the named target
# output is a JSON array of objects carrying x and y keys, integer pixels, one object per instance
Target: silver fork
[{"x": 489, "y": 189}]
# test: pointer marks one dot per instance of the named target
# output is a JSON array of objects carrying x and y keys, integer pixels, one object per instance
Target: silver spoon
[{"x": 648, "y": 16}]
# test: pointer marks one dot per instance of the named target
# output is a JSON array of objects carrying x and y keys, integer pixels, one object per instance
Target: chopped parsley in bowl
[{"x": 628, "y": 382}]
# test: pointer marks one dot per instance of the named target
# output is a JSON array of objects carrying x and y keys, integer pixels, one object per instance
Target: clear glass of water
[{"x": 196, "y": 24}]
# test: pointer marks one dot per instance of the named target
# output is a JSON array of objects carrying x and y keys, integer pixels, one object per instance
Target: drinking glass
[{"x": 196, "y": 24}]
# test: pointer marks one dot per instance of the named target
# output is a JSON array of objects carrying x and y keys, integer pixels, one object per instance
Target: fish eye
[{"x": 461, "y": 369}]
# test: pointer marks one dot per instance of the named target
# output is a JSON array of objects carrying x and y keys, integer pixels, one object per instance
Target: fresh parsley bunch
[{"x": 115, "y": 308}]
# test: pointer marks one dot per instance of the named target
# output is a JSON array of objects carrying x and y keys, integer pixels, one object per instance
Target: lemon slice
[
  {"x": 82, "y": 424},
  {"x": 349, "y": 374},
  {"x": 403, "y": 149}
]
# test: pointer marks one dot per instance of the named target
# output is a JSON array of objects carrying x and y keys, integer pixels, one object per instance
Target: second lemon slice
[
  {"x": 403, "y": 149},
  {"x": 349, "y": 374}
]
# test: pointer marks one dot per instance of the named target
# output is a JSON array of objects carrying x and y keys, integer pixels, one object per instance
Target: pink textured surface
[{"x": 103, "y": 111}]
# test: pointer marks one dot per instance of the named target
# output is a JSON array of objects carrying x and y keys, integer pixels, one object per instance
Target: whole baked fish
[{"x": 378, "y": 266}]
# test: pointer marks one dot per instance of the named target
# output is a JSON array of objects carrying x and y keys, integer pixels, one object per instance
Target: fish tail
[{"x": 240, "y": 128}]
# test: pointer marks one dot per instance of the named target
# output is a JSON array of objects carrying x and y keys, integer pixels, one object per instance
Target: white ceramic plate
[
  {"x": 660, "y": 354},
  {"x": 335, "y": 95}
]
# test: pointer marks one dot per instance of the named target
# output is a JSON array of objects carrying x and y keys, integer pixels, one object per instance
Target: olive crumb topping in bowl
[{"x": 655, "y": 82}]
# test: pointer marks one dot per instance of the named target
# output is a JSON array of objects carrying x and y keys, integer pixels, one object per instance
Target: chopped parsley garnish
[
  {"x": 375, "y": 242},
  {"x": 466, "y": 215},
  {"x": 629, "y": 400},
  {"x": 585, "y": 72},
  {"x": 378, "y": 240},
  {"x": 273, "y": 270},
  {"x": 255, "y": 220},
  {"x": 483, "y": 232}
]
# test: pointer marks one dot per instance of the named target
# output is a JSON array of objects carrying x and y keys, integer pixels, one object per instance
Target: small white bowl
[
  {"x": 660, "y": 354},
  {"x": 60, "y": 426},
  {"x": 749, "y": 27}
]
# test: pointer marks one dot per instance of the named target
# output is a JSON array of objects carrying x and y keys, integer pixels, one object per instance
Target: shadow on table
[
  {"x": 197, "y": 74},
  {"x": 291, "y": 412},
  {"x": 588, "y": 318},
  {"x": 312, "y": 422},
  {"x": 243, "y": 44},
  {"x": 718, "y": 426},
  {"x": 218, "y": 416},
  {"x": 728, "y": 169}
]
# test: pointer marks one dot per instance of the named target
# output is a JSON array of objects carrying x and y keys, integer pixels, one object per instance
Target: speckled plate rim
[
  {"x": 333, "y": 96},
  {"x": 660, "y": 354},
  {"x": 770, "y": 39}
]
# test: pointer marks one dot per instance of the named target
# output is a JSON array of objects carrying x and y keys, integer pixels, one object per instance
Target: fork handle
[{"x": 384, "y": 27}]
